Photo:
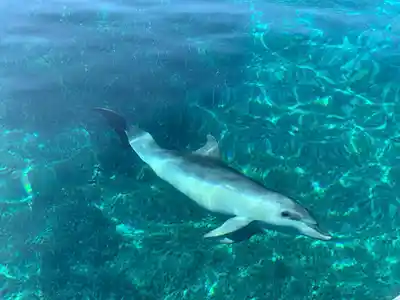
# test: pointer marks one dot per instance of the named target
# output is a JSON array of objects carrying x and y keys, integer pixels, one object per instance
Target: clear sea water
[{"x": 302, "y": 96}]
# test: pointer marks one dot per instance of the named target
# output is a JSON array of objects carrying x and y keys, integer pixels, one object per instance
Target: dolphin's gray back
[
  {"x": 216, "y": 171},
  {"x": 206, "y": 180}
]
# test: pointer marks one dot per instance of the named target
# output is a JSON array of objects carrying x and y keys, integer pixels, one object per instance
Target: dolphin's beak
[{"x": 312, "y": 230}]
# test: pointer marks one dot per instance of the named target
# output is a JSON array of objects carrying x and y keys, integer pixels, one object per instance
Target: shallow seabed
[{"x": 302, "y": 96}]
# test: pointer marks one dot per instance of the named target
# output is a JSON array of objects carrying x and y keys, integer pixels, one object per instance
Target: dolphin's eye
[{"x": 290, "y": 215}]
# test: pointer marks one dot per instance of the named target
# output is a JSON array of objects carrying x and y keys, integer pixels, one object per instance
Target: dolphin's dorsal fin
[{"x": 210, "y": 149}]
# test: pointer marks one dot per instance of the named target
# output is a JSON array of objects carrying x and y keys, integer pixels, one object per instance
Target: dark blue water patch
[
  {"x": 116, "y": 54},
  {"x": 182, "y": 69}
]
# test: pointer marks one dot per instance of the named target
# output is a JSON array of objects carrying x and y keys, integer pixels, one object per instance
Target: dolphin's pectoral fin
[
  {"x": 210, "y": 149},
  {"x": 231, "y": 225}
]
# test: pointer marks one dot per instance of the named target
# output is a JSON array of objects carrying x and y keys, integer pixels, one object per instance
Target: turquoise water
[{"x": 301, "y": 95}]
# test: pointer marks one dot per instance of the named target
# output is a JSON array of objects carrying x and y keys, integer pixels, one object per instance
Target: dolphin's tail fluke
[
  {"x": 116, "y": 122},
  {"x": 133, "y": 137}
]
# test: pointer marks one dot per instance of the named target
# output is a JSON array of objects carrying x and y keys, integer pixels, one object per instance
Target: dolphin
[{"x": 210, "y": 182}]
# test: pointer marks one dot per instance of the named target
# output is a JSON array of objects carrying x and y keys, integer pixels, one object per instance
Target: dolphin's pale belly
[
  {"x": 214, "y": 196},
  {"x": 215, "y": 189}
]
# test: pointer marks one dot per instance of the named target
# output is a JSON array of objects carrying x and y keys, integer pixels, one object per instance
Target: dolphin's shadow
[{"x": 244, "y": 233}]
